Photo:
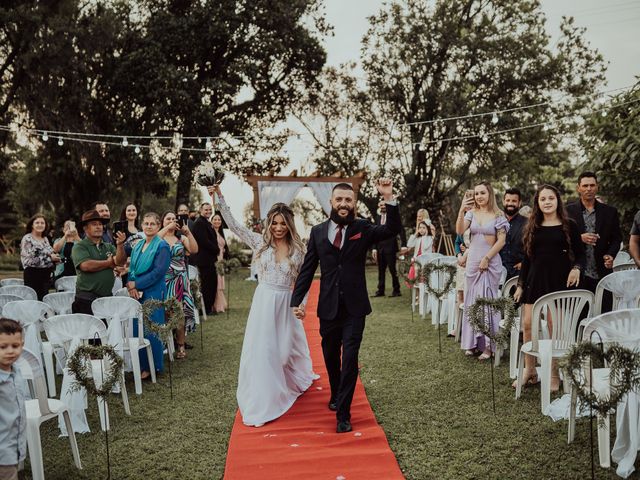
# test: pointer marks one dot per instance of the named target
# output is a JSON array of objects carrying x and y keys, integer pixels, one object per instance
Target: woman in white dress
[{"x": 275, "y": 365}]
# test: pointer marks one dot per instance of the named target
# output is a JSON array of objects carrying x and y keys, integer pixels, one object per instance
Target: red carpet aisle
[{"x": 303, "y": 445}]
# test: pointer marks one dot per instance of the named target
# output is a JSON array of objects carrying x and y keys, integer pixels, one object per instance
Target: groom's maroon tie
[{"x": 338, "y": 240}]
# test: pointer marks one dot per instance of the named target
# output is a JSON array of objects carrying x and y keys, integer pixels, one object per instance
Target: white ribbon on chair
[
  {"x": 31, "y": 339},
  {"x": 114, "y": 338},
  {"x": 76, "y": 400}
]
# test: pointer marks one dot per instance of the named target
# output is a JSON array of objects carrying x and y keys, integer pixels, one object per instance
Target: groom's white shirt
[{"x": 333, "y": 231}]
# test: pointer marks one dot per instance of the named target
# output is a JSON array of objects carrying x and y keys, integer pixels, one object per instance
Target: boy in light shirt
[{"x": 13, "y": 418}]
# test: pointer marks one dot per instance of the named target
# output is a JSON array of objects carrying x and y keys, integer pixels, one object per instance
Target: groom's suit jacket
[{"x": 342, "y": 270}]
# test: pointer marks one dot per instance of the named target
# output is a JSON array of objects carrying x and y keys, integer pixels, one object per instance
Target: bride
[{"x": 275, "y": 366}]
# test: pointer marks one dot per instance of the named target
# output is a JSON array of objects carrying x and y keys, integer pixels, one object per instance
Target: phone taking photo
[
  {"x": 120, "y": 227},
  {"x": 182, "y": 220}
]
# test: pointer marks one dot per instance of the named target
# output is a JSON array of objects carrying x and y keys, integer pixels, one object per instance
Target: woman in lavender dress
[{"x": 488, "y": 228}]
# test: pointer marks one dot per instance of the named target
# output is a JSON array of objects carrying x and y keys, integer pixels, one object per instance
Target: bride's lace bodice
[{"x": 269, "y": 271}]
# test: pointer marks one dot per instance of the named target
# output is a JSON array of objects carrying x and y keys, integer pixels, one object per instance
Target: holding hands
[{"x": 299, "y": 312}]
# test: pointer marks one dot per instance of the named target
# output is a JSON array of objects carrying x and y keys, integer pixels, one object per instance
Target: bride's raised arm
[{"x": 254, "y": 240}]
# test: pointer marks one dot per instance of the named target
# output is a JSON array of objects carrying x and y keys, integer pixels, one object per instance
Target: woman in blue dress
[{"x": 150, "y": 261}]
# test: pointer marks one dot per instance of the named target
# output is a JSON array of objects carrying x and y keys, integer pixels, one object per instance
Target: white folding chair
[
  {"x": 33, "y": 312},
  {"x": 624, "y": 286},
  {"x": 563, "y": 309},
  {"x": 60, "y": 302},
  {"x": 503, "y": 276},
  {"x": 126, "y": 310},
  {"x": 621, "y": 327},
  {"x": 621, "y": 267},
  {"x": 6, "y": 298},
  {"x": 40, "y": 410},
  {"x": 66, "y": 284},
  {"x": 26, "y": 293},
  {"x": 424, "y": 300},
  {"x": 5, "y": 282},
  {"x": 441, "y": 308},
  {"x": 194, "y": 275},
  {"x": 65, "y": 330},
  {"x": 508, "y": 289}
]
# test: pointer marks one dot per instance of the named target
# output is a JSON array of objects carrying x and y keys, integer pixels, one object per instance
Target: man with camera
[{"x": 95, "y": 261}]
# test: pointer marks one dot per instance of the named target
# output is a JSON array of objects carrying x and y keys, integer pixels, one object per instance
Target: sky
[{"x": 612, "y": 26}]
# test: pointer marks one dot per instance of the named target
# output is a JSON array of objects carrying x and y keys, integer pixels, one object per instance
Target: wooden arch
[{"x": 357, "y": 180}]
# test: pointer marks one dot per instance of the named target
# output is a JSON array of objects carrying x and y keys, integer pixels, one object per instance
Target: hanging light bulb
[
  {"x": 199, "y": 140},
  {"x": 208, "y": 144},
  {"x": 421, "y": 147},
  {"x": 125, "y": 142},
  {"x": 603, "y": 113},
  {"x": 45, "y": 137},
  {"x": 485, "y": 138},
  {"x": 494, "y": 118},
  {"x": 137, "y": 149},
  {"x": 545, "y": 127},
  {"x": 60, "y": 141}
]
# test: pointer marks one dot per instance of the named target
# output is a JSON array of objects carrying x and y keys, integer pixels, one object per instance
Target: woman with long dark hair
[
  {"x": 554, "y": 257},
  {"x": 220, "y": 303},
  {"x": 275, "y": 364},
  {"x": 129, "y": 214},
  {"x": 37, "y": 255}
]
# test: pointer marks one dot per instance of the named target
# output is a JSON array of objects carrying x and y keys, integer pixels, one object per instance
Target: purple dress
[{"x": 481, "y": 284}]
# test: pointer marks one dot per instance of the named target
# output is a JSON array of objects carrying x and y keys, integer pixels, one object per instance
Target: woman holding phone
[
  {"x": 488, "y": 227},
  {"x": 63, "y": 247}
]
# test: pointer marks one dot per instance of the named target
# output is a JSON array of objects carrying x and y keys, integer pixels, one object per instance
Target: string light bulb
[
  {"x": 495, "y": 119},
  {"x": 45, "y": 137},
  {"x": 60, "y": 141},
  {"x": 125, "y": 142},
  {"x": 208, "y": 144},
  {"x": 137, "y": 149},
  {"x": 485, "y": 138},
  {"x": 545, "y": 127}
]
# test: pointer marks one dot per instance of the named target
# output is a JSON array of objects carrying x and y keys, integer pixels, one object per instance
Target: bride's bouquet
[{"x": 208, "y": 173}]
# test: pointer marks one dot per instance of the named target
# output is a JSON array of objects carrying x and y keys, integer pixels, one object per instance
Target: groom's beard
[{"x": 342, "y": 220}]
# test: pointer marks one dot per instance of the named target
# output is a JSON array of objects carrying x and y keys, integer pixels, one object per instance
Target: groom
[{"x": 340, "y": 246}]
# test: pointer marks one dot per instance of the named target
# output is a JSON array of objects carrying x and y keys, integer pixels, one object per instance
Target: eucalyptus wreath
[
  {"x": 404, "y": 267},
  {"x": 477, "y": 318},
  {"x": 79, "y": 364},
  {"x": 174, "y": 316},
  {"x": 194, "y": 288},
  {"x": 425, "y": 276},
  {"x": 624, "y": 365},
  {"x": 224, "y": 267}
]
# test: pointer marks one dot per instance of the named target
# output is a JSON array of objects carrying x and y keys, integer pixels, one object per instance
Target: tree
[
  {"x": 612, "y": 143},
  {"x": 428, "y": 61}
]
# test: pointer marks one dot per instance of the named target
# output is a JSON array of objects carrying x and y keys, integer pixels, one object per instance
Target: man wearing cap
[{"x": 95, "y": 260}]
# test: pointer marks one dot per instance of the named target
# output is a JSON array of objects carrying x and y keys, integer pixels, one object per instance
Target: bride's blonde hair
[{"x": 293, "y": 239}]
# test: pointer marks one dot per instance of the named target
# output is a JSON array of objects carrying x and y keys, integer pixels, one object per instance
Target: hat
[{"x": 90, "y": 216}]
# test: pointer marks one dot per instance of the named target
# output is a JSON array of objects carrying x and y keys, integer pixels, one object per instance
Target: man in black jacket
[
  {"x": 600, "y": 229},
  {"x": 206, "y": 257},
  {"x": 340, "y": 246},
  {"x": 512, "y": 253},
  {"x": 384, "y": 254}
]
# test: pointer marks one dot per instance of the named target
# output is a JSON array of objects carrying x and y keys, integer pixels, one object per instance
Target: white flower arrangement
[{"x": 208, "y": 173}]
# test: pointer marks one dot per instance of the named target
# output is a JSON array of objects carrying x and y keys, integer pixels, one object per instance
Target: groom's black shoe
[
  {"x": 343, "y": 427},
  {"x": 332, "y": 405},
  {"x": 396, "y": 294},
  {"x": 378, "y": 294}
]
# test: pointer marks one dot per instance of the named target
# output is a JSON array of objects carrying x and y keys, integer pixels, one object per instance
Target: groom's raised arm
[{"x": 308, "y": 269}]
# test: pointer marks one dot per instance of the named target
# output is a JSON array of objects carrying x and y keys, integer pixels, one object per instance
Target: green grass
[{"x": 435, "y": 409}]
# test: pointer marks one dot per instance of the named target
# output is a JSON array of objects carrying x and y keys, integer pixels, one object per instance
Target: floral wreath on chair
[
  {"x": 507, "y": 309},
  {"x": 429, "y": 268},
  {"x": 624, "y": 365},
  {"x": 174, "y": 316},
  {"x": 79, "y": 365}
]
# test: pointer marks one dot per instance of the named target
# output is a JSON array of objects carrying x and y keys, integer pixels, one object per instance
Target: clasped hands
[{"x": 299, "y": 312}]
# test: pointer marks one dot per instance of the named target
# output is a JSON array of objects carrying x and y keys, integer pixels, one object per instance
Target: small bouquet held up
[{"x": 208, "y": 173}]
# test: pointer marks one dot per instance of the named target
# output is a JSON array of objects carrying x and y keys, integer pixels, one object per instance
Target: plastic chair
[
  {"x": 564, "y": 308},
  {"x": 40, "y": 410},
  {"x": 622, "y": 327},
  {"x": 442, "y": 307},
  {"x": 508, "y": 289},
  {"x": 6, "y": 298},
  {"x": 625, "y": 266},
  {"x": 26, "y": 293},
  {"x": 424, "y": 303},
  {"x": 29, "y": 312},
  {"x": 66, "y": 284},
  {"x": 621, "y": 257},
  {"x": 5, "y": 282},
  {"x": 624, "y": 287},
  {"x": 126, "y": 310},
  {"x": 194, "y": 275},
  {"x": 503, "y": 276},
  {"x": 122, "y": 292},
  {"x": 60, "y": 302},
  {"x": 63, "y": 329}
]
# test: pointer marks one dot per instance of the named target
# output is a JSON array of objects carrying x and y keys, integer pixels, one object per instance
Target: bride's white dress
[{"x": 275, "y": 365}]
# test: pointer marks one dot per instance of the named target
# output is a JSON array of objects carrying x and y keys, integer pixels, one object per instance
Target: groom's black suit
[{"x": 344, "y": 301}]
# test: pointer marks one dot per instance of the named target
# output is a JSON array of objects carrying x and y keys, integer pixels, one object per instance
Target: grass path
[{"x": 435, "y": 409}]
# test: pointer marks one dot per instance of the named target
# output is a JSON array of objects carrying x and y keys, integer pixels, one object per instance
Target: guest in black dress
[{"x": 554, "y": 257}]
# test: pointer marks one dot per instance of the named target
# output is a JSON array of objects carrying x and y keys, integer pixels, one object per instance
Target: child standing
[{"x": 13, "y": 417}]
